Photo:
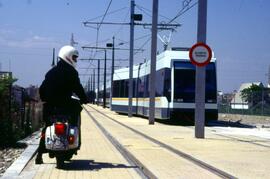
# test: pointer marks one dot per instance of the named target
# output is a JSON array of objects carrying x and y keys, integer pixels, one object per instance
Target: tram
[{"x": 175, "y": 87}]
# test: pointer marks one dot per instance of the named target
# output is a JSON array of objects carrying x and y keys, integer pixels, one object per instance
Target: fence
[
  {"x": 21, "y": 114},
  {"x": 257, "y": 103}
]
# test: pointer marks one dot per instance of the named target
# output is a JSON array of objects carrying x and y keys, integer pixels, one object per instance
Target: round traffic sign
[{"x": 200, "y": 54}]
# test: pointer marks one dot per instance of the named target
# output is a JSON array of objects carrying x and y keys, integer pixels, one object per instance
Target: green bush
[{"x": 7, "y": 137}]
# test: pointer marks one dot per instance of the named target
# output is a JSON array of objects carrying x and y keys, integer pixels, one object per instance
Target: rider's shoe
[{"x": 39, "y": 160}]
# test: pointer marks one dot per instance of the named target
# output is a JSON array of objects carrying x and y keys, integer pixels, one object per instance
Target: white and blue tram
[{"x": 175, "y": 87}]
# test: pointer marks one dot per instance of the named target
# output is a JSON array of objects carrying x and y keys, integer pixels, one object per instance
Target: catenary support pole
[
  {"x": 104, "y": 80},
  {"x": 153, "y": 63},
  {"x": 112, "y": 71},
  {"x": 131, "y": 46},
  {"x": 98, "y": 82}
]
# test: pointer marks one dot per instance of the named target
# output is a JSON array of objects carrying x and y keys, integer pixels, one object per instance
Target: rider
[{"x": 60, "y": 83}]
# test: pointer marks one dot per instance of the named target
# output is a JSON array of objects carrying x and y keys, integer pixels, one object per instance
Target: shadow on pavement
[
  {"x": 185, "y": 120},
  {"x": 209, "y": 123},
  {"x": 92, "y": 165},
  {"x": 228, "y": 124},
  {"x": 176, "y": 122}
]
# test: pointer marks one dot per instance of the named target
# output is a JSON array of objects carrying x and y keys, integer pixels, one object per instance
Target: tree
[
  {"x": 5, "y": 85},
  {"x": 252, "y": 94},
  {"x": 6, "y": 136}
]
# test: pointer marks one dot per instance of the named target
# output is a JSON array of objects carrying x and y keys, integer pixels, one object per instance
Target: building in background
[
  {"x": 237, "y": 101},
  {"x": 5, "y": 74}
]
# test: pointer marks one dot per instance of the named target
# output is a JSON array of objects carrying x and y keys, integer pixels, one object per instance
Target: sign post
[
  {"x": 200, "y": 70},
  {"x": 200, "y": 55}
]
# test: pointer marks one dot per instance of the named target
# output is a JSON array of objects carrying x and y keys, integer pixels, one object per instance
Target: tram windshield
[{"x": 184, "y": 82}]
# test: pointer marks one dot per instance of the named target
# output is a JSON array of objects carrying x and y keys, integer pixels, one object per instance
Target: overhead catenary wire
[
  {"x": 108, "y": 13},
  {"x": 149, "y": 11},
  {"x": 185, "y": 8},
  {"x": 161, "y": 26},
  {"x": 121, "y": 27},
  {"x": 101, "y": 41},
  {"x": 99, "y": 25},
  {"x": 139, "y": 38},
  {"x": 143, "y": 45},
  {"x": 105, "y": 13}
]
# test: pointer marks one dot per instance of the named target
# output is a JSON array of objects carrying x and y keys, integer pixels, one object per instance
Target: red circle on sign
[{"x": 194, "y": 62}]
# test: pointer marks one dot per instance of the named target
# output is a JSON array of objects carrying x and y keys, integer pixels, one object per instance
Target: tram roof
[{"x": 164, "y": 60}]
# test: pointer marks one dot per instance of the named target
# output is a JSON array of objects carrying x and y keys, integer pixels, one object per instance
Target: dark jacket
[{"x": 60, "y": 83}]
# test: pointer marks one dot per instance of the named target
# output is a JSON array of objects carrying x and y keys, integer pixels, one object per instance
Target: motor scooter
[{"x": 62, "y": 138}]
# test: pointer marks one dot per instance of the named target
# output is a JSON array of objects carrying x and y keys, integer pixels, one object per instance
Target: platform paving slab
[
  {"x": 235, "y": 154},
  {"x": 97, "y": 158}
]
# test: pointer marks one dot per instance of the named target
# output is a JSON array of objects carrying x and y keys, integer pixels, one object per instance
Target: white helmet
[{"x": 69, "y": 54}]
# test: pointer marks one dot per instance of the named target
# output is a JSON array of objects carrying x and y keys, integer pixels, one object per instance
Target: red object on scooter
[
  {"x": 71, "y": 139},
  {"x": 60, "y": 128}
]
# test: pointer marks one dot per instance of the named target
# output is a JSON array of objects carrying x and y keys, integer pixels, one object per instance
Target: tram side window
[
  {"x": 159, "y": 82},
  {"x": 122, "y": 89},
  {"x": 125, "y": 89},
  {"x": 167, "y": 84},
  {"x": 211, "y": 85},
  {"x": 141, "y": 87},
  {"x": 147, "y": 86},
  {"x": 116, "y": 88},
  {"x": 184, "y": 82},
  {"x": 134, "y": 88}
]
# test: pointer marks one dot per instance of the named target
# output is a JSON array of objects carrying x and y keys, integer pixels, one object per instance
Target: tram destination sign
[{"x": 200, "y": 54}]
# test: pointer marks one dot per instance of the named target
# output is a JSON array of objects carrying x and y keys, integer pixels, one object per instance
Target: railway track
[
  {"x": 147, "y": 172},
  {"x": 241, "y": 126},
  {"x": 142, "y": 170},
  {"x": 266, "y": 143}
]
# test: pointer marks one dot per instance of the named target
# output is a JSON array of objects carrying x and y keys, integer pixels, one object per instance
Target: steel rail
[
  {"x": 186, "y": 156},
  {"x": 142, "y": 170}
]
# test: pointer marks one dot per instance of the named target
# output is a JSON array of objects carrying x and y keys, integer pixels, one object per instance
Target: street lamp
[
  {"x": 111, "y": 45},
  {"x": 104, "y": 82}
]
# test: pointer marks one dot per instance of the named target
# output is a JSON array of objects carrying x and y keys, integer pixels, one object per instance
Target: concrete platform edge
[{"x": 19, "y": 164}]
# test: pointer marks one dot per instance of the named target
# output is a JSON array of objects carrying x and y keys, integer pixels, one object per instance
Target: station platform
[{"x": 174, "y": 152}]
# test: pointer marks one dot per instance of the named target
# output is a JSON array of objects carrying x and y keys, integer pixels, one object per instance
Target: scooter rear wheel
[
  {"x": 59, "y": 162},
  {"x": 51, "y": 155},
  {"x": 68, "y": 157}
]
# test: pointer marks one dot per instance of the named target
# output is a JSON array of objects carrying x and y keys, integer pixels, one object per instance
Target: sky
[{"x": 238, "y": 31}]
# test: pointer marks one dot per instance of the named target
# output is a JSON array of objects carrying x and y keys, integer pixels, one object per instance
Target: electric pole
[
  {"x": 105, "y": 68},
  {"x": 109, "y": 46},
  {"x": 104, "y": 81},
  {"x": 98, "y": 82},
  {"x": 153, "y": 63},
  {"x": 94, "y": 87},
  {"x": 131, "y": 47},
  {"x": 112, "y": 70}
]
